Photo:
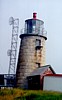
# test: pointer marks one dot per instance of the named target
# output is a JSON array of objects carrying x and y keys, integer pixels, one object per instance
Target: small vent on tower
[{"x": 34, "y": 15}]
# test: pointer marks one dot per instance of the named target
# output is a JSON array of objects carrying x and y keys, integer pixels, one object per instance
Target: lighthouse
[{"x": 32, "y": 50}]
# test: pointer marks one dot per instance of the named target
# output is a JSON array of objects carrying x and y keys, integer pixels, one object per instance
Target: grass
[{"x": 18, "y": 94}]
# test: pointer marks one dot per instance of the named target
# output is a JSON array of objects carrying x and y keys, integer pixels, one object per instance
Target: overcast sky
[{"x": 50, "y": 11}]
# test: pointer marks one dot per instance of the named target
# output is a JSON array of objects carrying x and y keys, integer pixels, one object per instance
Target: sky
[{"x": 50, "y": 11}]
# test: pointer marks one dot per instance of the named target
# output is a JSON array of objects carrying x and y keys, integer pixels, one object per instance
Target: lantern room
[{"x": 34, "y": 26}]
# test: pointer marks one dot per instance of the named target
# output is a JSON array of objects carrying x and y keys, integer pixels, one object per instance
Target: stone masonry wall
[{"x": 28, "y": 57}]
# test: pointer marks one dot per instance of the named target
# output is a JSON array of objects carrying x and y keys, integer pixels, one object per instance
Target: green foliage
[
  {"x": 36, "y": 95},
  {"x": 18, "y": 94}
]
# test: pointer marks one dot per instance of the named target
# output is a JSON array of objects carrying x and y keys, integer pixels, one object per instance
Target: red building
[{"x": 35, "y": 80}]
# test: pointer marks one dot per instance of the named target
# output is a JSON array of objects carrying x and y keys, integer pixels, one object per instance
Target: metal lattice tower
[{"x": 12, "y": 52}]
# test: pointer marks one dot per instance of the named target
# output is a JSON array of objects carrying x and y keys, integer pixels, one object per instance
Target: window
[
  {"x": 30, "y": 26},
  {"x": 33, "y": 29},
  {"x": 38, "y": 65},
  {"x": 25, "y": 30},
  {"x": 38, "y": 42}
]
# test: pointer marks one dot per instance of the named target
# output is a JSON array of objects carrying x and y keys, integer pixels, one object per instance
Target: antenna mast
[{"x": 12, "y": 52}]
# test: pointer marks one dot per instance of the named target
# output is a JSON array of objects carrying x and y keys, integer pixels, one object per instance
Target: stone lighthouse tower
[{"x": 32, "y": 50}]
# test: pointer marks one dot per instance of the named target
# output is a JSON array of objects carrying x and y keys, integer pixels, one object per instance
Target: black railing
[{"x": 34, "y": 31}]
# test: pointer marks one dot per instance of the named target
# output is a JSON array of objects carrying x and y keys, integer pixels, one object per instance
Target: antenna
[
  {"x": 12, "y": 52},
  {"x": 11, "y": 20}
]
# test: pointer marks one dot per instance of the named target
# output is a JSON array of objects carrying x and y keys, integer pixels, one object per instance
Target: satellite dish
[
  {"x": 11, "y": 20},
  {"x": 9, "y": 52}
]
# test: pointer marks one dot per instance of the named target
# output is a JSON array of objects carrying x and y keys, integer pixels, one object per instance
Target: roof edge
[{"x": 56, "y": 75}]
